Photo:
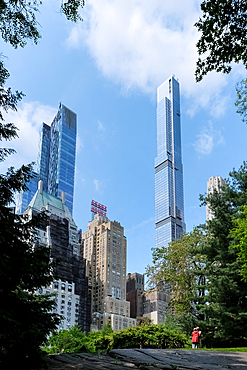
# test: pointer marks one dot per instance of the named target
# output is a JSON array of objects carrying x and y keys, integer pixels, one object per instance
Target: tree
[
  {"x": 25, "y": 317},
  {"x": 142, "y": 320},
  {"x": 204, "y": 270},
  {"x": 8, "y": 100},
  {"x": 18, "y": 22},
  {"x": 71, "y": 340},
  {"x": 223, "y": 27},
  {"x": 224, "y": 307},
  {"x": 240, "y": 234},
  {"x": 180, "y": 268},
  {"x": 241, "y": 102}
]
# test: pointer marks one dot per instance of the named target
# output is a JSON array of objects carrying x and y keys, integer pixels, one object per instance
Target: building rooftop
[{"x": 42, "y": 199}]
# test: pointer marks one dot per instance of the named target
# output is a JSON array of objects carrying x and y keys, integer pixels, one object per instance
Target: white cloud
[
  {"x": 208, "y": 139},
  {"x": 139, "y": 44},
  {"x": 205, "y": 143},
  {"x": 98, "y": 186},
  {"x": 100, "y": 126},
  {"x": 28, "y": 119}
]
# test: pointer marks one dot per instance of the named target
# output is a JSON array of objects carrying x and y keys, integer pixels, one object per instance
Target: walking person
[{"x": 195, "y": 338}]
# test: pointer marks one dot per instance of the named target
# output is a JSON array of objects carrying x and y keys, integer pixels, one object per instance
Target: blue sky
[{"x": 107, "y": 69}]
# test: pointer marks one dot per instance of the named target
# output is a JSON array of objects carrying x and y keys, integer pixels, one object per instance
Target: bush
[
  {"x": 72, "y": 340},
  {"x": 155, "y": 336}
]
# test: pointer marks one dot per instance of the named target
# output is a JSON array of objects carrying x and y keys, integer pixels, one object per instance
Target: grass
[{"x": 236, "y": 349}]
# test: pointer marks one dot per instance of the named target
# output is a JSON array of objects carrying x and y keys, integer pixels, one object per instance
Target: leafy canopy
[
  {"x": 240, "y": 234},
  {"x": 18, "y": 22},
  {"x": 241, "y": 102},
  {"x": 223, "y": 28}
]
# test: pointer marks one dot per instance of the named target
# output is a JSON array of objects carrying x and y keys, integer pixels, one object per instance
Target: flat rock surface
[{"x": 150, "y": 359}]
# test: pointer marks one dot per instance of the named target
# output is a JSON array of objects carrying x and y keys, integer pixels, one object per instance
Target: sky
[{"x": 107, "y": 69}]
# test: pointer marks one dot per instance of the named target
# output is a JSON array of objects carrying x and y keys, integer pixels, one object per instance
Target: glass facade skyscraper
[
  {"x": 24, "y": 197},
  {"x": 169, "y": 199},
  {"x": 56, "y": 159}
]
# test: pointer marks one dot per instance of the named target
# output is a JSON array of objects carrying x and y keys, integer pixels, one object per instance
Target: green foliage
[
  {"x": 8, "y": 101},
  {"x": 180, "y": 268},
  {"x": 72, "y": 340},
  {"x": 241, "y": 102},
  {"x": 223, "y": 27},
  {"x": 18, "y": 22},
  {"x": 70, "y": 9},
  {"x": 240, "y": 235},
  {"x": 143, "y": 321},
  {"x": 182, "y": 322},
  {"x": 107, "y": 329},
  {"x": 155, "y": 336},
  {"x": 204, "y": 269},
  {"x": 25, "y": 318},
  {"x": 225, "y": 305}
]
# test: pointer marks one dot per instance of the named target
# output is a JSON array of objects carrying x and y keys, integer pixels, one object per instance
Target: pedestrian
[
  {"x": 195, "y": 338},
  {"x": 200, "y": 337}
]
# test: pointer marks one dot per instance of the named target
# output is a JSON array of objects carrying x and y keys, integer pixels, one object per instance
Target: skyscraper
[
  {"x": 214, "y": 183},
  {"x": 169, "y": 199},
  {"x": 104, "y": 246},
  {"x": 56, "y": 159},
  {"x": 134, "y": 293}
]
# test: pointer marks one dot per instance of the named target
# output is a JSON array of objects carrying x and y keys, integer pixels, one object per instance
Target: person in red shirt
[{"x": 195, "y": 338}]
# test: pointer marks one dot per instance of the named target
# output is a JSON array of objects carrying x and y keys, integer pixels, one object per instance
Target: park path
[{"x": 150, "y": 359}]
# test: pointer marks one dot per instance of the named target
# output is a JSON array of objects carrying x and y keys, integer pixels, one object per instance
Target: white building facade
[
  {"x": 214, "y": 183},
  {"x": 67, "y": 302}
]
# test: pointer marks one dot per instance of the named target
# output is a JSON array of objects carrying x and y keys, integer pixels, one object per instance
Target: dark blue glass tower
[
  {"x": 169, "y": 199},
  {"x": 57, "y": 152}
]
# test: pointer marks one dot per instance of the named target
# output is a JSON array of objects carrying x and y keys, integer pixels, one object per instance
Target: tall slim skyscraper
[
  {"x": 56, "y": 159},
  {"x": 169, "y": 199}
]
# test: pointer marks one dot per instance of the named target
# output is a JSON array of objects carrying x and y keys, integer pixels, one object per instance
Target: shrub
[
  {"x": 145, "y": 336},
  {"x": 72, "y": 340},
  {"x": 154, "y": 336}
]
